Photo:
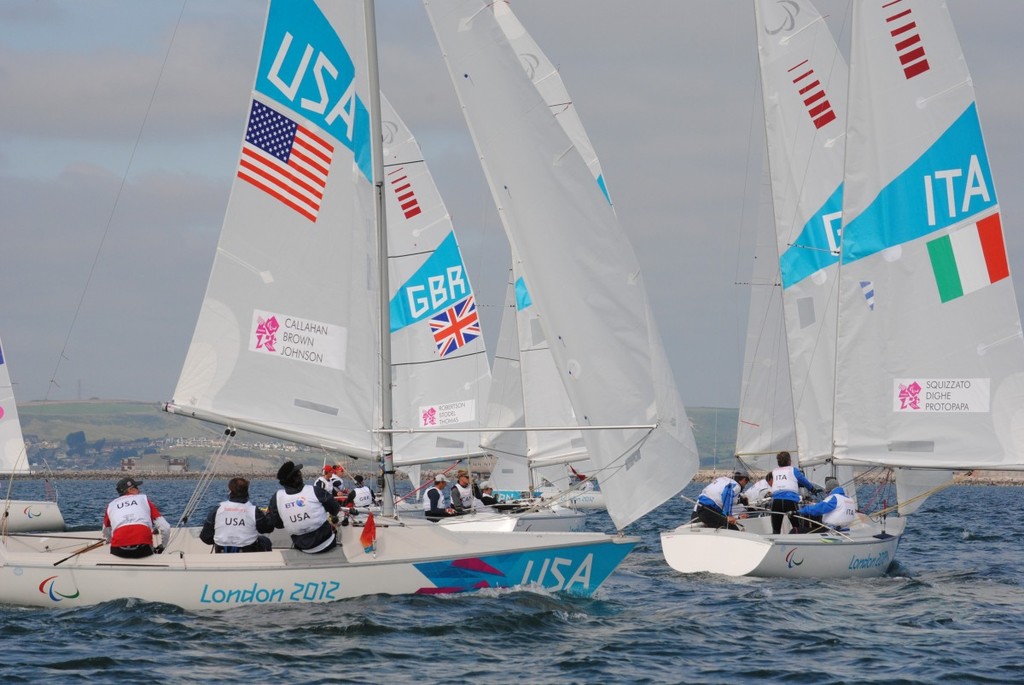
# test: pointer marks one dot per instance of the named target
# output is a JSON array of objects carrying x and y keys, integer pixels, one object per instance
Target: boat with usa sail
[{"x": 294, "y": 341}]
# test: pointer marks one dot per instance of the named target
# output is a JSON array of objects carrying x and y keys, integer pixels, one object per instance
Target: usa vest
[
  {"x": 301, "y": 512},
  {"x": 129, "y": 510},
  {"x": 235, "y": 524}
]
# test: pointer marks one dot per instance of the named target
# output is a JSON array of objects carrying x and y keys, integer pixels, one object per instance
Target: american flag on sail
[
  {"x": 455, "y": 326},
  {"x": 285, "y": 160}
]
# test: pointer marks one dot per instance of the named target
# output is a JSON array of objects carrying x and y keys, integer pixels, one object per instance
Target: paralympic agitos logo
[{"x": 47, "y": 588}]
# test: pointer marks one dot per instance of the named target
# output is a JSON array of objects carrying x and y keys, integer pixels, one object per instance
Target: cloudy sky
[{"x": 121, "y": 123}]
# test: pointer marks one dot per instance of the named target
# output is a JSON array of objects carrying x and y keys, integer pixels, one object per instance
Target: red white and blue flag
[
  {"x": 455, "y": 326},
  {"x": 285, "y": 160}
]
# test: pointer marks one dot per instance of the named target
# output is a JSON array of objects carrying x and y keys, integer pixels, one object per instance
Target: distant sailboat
[
  {"x": 19, "y": 516},
  {"x": 880, "y": 286}
]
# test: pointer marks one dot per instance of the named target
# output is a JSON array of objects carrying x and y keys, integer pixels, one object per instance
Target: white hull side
[
  {"x": 414, "y": 557},
  {"x": 25, "y": 516},
  {"x": 557, "y": 520},
  {"x": 864, "y": 552}
]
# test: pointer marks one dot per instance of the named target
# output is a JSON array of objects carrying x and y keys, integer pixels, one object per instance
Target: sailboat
[
  {"x": 293, "y": 342},
  {"x": 18, "y": 515},
  {"x": 900, "y": 339},
  {"x": 582, "y": 275}
]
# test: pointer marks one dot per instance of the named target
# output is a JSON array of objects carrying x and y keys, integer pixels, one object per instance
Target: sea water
[{"x": 950, "y": 609}]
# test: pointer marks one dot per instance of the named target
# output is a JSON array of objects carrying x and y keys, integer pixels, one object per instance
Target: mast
[{"x": 377, "y": 150}]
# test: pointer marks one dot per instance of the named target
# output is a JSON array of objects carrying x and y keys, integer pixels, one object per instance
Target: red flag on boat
[
  {"x": 577, "y": 473},
  {"x": 369, "y": 537}
]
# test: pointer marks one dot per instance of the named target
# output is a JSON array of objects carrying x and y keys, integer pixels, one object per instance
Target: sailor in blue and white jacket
[
  {"x": 835, "y": 511},
  {"x": 786, "y": 483},
  {"x": 717, "y": 501}
]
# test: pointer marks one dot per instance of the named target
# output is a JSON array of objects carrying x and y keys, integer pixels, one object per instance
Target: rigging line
[{"x": 117, "y": 198}]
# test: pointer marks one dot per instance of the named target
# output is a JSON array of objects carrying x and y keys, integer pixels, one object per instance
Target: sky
[{"x": 121, "y": 123}]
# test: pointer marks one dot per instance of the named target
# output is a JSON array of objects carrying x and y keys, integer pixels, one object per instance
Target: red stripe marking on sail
[
  {"x": 826, "y": 118},
  {"x": 814, "y": 98},
  {"x": 899, "y": 15},
  {"x": 804, "y": 75},
  {"x": 990, "y": 231},
  {"x": 903, "y": 29},
  {"x": 904, "y": 44},
  {"x": 810, "y": 86},
  {"x": 797, "y": 66}
]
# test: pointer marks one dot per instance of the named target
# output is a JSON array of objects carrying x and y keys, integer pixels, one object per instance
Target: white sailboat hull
[
  {"x": 548, "y": 520},
  {"x": 23, "y": 516},
  {"x": 412, "y": 557},
  {"x": 863, "y": 552}
]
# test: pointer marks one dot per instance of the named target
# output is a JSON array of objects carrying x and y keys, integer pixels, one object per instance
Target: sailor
[
  {"x": 360, "y": 496},
  {"x": 235, "y": 524},
  {"x": 760, "y": 493},
  {"x": 716, "y": 503},
  {"x": 434, "y": 500},
  {"x": 464, "y": 495},
  {"x": 308, "y": 513},
  {"x": 129, "y": 522},
  {"x": 332, "y": 480},
  {"x": 786, "y": 483},
  {"x": 836, "y": 511},
  {"x": 487, "y": 494}
]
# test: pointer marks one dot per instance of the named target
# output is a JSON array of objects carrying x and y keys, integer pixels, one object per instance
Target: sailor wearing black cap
[
  {"x": 129, "y": 521},
  {"x": 308, "y": 513}
]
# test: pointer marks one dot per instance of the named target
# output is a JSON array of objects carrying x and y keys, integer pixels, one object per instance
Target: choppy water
[{"x": 950, "y": 610}]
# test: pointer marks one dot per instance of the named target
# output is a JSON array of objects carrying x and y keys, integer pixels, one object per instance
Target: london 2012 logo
[
  {"x": 791, "y": 559},
  {"x": 47, "y": 587}
]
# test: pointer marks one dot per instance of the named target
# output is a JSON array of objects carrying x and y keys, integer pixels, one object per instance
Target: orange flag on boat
[{"x": 369, "y": 537}]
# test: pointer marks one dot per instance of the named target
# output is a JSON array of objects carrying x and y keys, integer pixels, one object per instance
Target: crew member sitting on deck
[
  {"x": 235, "y": 524},
  {"x": 487, "y": 494},
  {"x": 464, "y": 495},
  {"x": 434, "y": 501},
  {"x": 834, "y": 512},
  {"x": 308, "y": 513},
  {"x": 360, "y": 496},
  {"x": 718, "y": 500},
  {"x": 129, "y": 522}
]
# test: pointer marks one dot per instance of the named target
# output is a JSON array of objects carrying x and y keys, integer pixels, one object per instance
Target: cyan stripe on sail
[
  {"x": 815, "y": 247},
  {"x": 604, "y": 189},
  {"x": 440, "y": 282},
  {"x": 306, "y": 68},
  {"x": 917, "y": 202},
  {"x": 522, "y": 295}
]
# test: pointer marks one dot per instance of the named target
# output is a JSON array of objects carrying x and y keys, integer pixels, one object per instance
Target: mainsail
[
  {"x": 13, "y": 458},
  {"x": 930, "y": 364},
  {"x": 582, "y": 273}
]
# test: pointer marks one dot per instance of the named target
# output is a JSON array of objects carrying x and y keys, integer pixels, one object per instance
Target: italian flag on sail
[{"x": 969, "y": 258}]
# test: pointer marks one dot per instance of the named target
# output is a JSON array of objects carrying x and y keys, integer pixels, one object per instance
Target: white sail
[
  {"x": 582, "y": 273},
  {"x": 930, "y": 366},
  {"x": 439, "y": 363},
  {"x": 803, "y": 83},
  {"x": 548, "y": 82},
  {"x": 765, "y": 423},
  {"x": 13, "y": 458},
  {"x": 287, "y": 332}
]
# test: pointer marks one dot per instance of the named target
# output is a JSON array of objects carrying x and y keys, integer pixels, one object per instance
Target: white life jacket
[
  {"x": 758, "y": 492},
  {"x": 844, "y": 513},
  {"x": 129, "y": 510},
  {"x": 301, "y": 512},
  {"x": 465, "y": 495},
  {"x": 440, "y": 498},
  {"x": 235, "y": 524},
  {"x": 364, "y": 496},
  {"x": 715, "y": 491},
  {"x": 784, "y": 480},
  {"x": 332, "y": 485}
]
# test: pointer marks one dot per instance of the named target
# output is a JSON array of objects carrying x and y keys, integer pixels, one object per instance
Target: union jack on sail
[{"x": 455, "y": 326}]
